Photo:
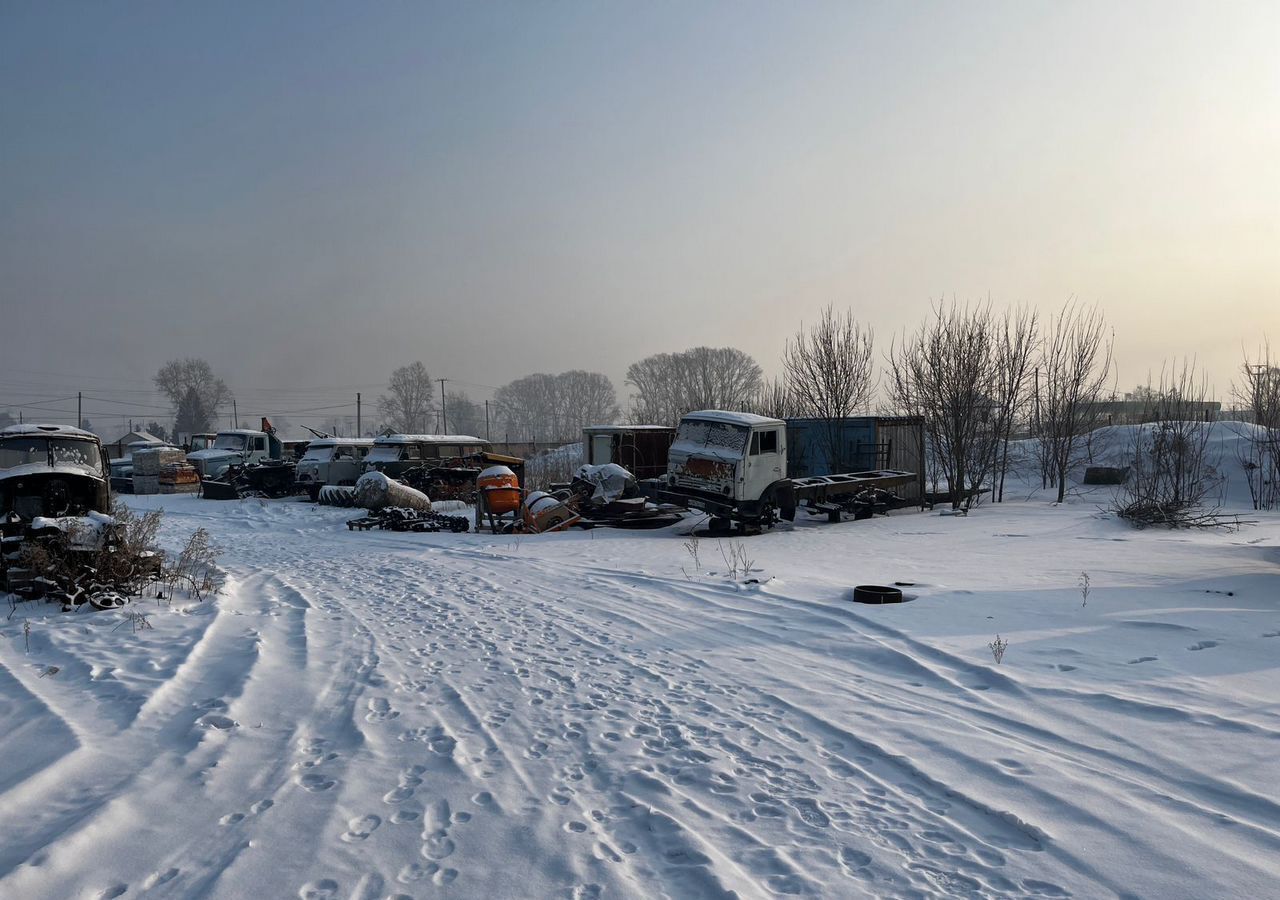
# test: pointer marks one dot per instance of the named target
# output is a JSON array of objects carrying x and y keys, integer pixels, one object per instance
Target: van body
[
  {"x": 395, "y": 454},
  {"x": 331, "y": 461}
]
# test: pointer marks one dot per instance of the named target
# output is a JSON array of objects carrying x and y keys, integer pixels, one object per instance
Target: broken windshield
[
  {"x": 23, "y": 451},
  {"x": 720, "y": 435}
]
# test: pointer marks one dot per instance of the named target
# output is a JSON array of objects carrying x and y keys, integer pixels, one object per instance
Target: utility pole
[
  {"x": 359, "y": 430},
  {"x": 444, "y": 417},
  {"x": 235, "y": 413},
  {"x": 79, "y": 414},
  {"x": 486, "y": 420}
]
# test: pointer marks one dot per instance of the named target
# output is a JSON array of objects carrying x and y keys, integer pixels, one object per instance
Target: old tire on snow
[{"x": 876, "y": 594}]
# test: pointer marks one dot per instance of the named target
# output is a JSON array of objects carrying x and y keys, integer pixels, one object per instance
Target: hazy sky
[{"x": 310, "y": 194}]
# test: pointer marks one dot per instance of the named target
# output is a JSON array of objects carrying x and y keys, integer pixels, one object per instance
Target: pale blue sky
[{"x": 313, "y": 193}]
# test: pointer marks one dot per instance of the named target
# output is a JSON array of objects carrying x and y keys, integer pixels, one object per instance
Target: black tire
[{"x": 876, "y": 594}]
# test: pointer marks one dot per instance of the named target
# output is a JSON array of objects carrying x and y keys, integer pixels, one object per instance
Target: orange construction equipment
[{"x": 500, "y": 488}]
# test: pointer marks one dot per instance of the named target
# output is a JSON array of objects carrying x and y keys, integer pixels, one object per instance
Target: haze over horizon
[{"x": 309, "y": 195}]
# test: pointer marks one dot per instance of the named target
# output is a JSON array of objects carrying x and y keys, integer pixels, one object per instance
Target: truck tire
[{"x": 877, "y": 594}]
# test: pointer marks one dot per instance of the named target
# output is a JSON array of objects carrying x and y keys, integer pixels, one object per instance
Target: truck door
[
  {"x": 601, "y": 444},
  {"x": 764, "y": 461}
]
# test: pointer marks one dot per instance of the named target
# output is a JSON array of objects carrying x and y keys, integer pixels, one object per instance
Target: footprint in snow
[
  {"x": 1203, "y": 645},
  {"x": 324, "y": 889},
  {"x": 1142, "y": 659},
  {"x": 380, "y": 710},
  {"x": 222, "y": 723},
  {"x": 155, "y": 879},
  {"x": 110, "y": 893},
  {"x": 314, "y": 783},
  {"x": 231, "y": 819},
  {"x": 359, "y": 828}
]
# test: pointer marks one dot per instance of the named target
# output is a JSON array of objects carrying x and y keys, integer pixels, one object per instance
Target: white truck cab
[
  {"x": 730, "y": 459},
  {"x": 239, "y": 446}
]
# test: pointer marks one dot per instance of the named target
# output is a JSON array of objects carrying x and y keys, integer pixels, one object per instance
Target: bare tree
[
  {"x": 543, "y": 407},
  {"x": 1171, "y": 475},
  {"x": 195, "y": 392},
  {"x": 668, "y": 385},
  {"x": 775, "y": 400},
  {"x": 465, "y": 416},
  {"x": 408, "y": 405},
  {"x": 1018, "y": 334},
  {"x": 1259, "y": 394},
  {"x": 1074, "y": 368},
  {"x": 830, "y": 373},
  {"x": 964, "y": 372}
]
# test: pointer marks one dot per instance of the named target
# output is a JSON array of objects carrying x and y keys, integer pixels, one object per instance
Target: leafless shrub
[
  {"x": 691, "y": 547},
  {"x": 1259, "y": 394},
  {"x": 126, "y": 566},
  {"x": 965, "y": 371},
  {"x": 736, "y": 561},
  {"x": 1070, "y": 382},
  {"x": 137, "y": 621},
  {"x": 830, "y": 371},
  {"x": 1084, "y": 589},
  {"x": 1171, "y": 478},
  {"x": 195, "y": 567},
  {"x": 998, "y": 646}
]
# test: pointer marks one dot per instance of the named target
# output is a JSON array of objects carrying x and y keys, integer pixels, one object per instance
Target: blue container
[{"x": 810, "y": 452}]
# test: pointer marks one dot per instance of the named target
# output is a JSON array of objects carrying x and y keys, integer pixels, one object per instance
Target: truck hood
[{"x": 213, "y": 455}]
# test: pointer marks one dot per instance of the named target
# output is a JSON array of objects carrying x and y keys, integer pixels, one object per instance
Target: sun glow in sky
[{"x": 319, "y": 192}]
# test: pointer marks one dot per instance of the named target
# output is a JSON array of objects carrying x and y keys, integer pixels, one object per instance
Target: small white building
[{"x": 120, "y": 447}]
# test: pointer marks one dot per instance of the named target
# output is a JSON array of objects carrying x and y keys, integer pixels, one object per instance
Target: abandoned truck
[
  {"x": 734, "y": 466},
  {"x": 395, "y": 454},
  {"x": 240, "y": 446},
  {"x": 331, "y": 460},
  {"x": 53, "y": 479},
  {"x": 243, "y": 463}
]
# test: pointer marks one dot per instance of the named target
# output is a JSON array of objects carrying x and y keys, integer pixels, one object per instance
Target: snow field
[{"x": 590, "y": 715}]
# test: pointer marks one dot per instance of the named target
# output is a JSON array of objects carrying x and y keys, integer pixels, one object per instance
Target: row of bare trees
[
  {"x": 668, "y": 385},
  {"x": 544, "y": 407}
]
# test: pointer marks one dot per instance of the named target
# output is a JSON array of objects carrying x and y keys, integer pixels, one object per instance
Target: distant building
[{"x": 120, "y": 447}]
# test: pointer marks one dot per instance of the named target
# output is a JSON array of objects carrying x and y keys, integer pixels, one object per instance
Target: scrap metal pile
[
  {"x": 608, "y": 496},
  {"x": 269, "y": 478},
  {"x": 399, "y": 518}
]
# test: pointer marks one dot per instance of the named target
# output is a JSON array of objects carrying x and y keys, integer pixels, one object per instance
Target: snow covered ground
[{"x": 372, "y": 715}]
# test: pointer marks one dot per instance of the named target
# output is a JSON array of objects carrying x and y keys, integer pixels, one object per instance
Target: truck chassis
[{"x": 834, "y": 495}]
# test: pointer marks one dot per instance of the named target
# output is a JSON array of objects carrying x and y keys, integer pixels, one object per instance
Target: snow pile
[{"x": 1227, "y": 447}]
